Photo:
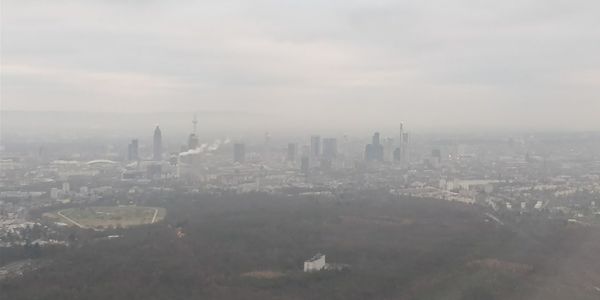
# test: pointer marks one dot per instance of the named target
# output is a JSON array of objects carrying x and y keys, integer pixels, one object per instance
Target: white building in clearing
[{"x": 316, "y": 263}]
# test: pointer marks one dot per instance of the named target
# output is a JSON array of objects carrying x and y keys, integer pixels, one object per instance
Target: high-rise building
[
  {"x": 376, "y": 139},
  {"x": 401, "y": 135},
  {"x": 315, "y": 146},
  {"x": 193, "y": 138},
  {"x": 133, "y": 150},
  {"x": 398, "y": 150},
  {"x": 388, "y": 149},
  {"x": 239, "y": 153},
  {"x": 292, "y": 150},
  {"x": 401, "y": 153},
  {"x": 405, "y": 148},
  {"x": 330, "y": 148},
  {"x": 267, "y": 148},
  {"x": 304, "y": 164},
  {"x": 157, "y": 144},
  {"x": 374, "y": 151}
]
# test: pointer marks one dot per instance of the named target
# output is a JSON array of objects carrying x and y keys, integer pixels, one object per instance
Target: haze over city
[
  {"x": 463, "y": 64},
  {"x": 287, "y": 150}
]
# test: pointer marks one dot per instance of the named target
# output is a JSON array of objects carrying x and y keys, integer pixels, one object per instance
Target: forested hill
[{"x": 253, "y": 247}]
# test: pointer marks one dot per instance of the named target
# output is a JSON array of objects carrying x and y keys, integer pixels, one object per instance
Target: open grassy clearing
[{"x": 109, "y": 216}]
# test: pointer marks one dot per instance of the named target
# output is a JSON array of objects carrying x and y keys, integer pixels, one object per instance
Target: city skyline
[{"x": 280, "y": 149}]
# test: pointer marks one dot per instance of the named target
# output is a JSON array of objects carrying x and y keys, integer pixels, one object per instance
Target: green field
[{"x": 110, "y": 216}]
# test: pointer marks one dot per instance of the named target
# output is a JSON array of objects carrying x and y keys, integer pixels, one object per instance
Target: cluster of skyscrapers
[
  {"x": 378, "y": 151},
  {"x": 133, "y": 149},
  {"x": 322, "y": 152}
]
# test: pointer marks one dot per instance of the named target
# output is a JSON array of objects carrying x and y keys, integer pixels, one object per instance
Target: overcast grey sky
[{"x": 525, "y": 63}]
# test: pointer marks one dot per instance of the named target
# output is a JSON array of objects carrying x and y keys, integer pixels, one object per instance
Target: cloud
[{"x": 432, "y": 63}]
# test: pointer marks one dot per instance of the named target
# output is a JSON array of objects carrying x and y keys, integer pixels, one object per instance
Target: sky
[{"x": 531, "y": 64}]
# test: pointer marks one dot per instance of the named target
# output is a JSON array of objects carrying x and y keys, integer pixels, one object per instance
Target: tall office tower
[
  {"x": 405, "y": 148},
  {"x": 292, "y": 150},
  {"x": 239, "y": 152},
  {"x": 388, "y": 149},
  {"x": 401, "y": 134},
  {"x": 369, "y": 152},
  {"x": 376, "y": 139},
  {"x": 315, "y": 146},
  {"x": 133, "y": 150},
  {"x": 193, "y": 139},
  {"x": 330, "y": 148},
  {"x": 157, "y": 145},
  {"x": 398, "y": 152},
  {"x": 304, "y": 164},
  {"x": 374, "y": 151}
]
